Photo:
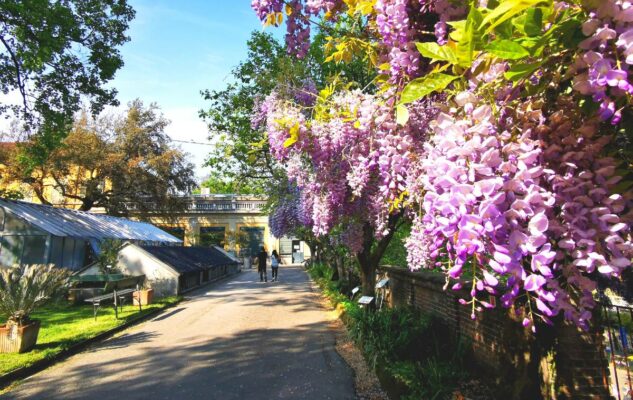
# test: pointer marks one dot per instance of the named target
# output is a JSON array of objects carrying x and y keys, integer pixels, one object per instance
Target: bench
[
  {"x": 117, "y": 295},
  {"x": 118, "y": 298}
]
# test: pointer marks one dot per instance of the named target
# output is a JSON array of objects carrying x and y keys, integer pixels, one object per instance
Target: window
[
  {"x": 255, "y": 239},
  {"x": 285, "y": 245},
  {"x": 10, "y": 250},
  {"x": 174, "y": 231},
  {"x": 34, "y": 250},
  {"x": 212, "y": 236}
]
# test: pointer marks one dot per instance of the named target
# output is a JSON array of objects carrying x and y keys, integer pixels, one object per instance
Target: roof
[
  {"x": 189, "y": 259},
  {"x": 81, "y": 224},
  {"x": 229, "y": 255}
]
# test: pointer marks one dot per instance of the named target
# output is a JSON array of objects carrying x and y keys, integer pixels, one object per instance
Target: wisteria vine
[{"x": 493, "y": 128}]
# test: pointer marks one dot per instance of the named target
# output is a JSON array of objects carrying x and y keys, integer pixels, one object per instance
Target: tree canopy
[
  {"x": 242, "y": 152},
  {"x": 119, "y": 162},
  {"x": 56, "y": 55}
]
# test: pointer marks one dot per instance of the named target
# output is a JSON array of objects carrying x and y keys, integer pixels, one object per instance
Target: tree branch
[{"x": 18, "y": 72}]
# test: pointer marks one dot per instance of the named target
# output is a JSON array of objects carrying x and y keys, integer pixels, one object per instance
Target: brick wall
[{"x": 555, "y": 363}]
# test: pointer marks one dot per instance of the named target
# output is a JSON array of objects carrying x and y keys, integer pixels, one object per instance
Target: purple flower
[{"x": 533, "y": 282}]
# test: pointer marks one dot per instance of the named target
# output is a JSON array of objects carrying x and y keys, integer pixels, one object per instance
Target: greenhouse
[{"x": 40, "y": 234}]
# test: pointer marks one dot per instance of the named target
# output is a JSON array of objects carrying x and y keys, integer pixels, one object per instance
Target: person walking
[
  {"x": 275, "y": 260},
  {"x": 262, "y": 258}
]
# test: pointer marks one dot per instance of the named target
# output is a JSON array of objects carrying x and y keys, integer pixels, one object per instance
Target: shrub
[
  {"x": 23, "y": 288},
  {"x": 415, "y": 350}
]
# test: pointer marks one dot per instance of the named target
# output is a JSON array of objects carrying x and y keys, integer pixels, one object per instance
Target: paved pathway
[{"x": 238, "y": 339}]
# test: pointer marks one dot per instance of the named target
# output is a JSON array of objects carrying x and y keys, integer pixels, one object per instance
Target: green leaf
[
  {"x": 402, "y": 114},
  {"x": 533, "y": 22},
  {"x": 418, "y": 88},
  {"x": 507, "y": 10},
  {"x": 520, "y": 71},
  {"x": 436, "y": 52},
  {"x": 459, "y": 27},
  {"x": 504, "y": 31},
  {"x": 507, "y": 50},
  {"x": 471, "y": 36}
]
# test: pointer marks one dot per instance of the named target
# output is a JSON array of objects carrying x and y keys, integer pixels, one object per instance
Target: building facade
[{"x": 237, "y": 223}]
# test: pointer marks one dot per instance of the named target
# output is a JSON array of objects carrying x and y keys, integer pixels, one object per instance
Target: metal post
[
  {"x": 116, "y": 309},
  {"x": 624, "y": 344},
  {"x": 615, "y": 367},
  {"x": 138, "y": 291}
]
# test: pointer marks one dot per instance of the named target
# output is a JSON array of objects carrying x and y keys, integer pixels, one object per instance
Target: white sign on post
[
  {"x": 382, "y": 283},
  {"x": 365, "y": 300}
]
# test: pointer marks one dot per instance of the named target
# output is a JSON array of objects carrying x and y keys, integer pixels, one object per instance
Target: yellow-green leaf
[
  {"x": 507, "y": 49},
  {"x": 420, "y": 87},
  {"x": 436, "y": 52},
  {"x": 294, "y": 136},
  {"x": 520, "y": 71},
  {"x": 506, "y": 10},
  {"x": 402, "y": 114}
]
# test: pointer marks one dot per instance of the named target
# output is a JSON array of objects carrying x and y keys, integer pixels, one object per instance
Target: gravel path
[{"x": 238, "y": 339}]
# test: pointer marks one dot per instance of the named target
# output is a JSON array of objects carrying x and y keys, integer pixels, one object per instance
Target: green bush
[
  {"x": 388, "y": 333},
  {"x": 413, "y": 352},
  {"x": 320, "y": 271}
]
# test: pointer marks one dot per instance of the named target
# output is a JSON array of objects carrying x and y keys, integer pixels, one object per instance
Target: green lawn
[{"x": 64, "y": 325}]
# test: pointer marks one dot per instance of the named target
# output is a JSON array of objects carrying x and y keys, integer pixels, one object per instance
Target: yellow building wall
[{"x": 232, "y": 222}]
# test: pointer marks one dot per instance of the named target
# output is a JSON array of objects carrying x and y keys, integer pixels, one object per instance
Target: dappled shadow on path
[
  {"x": 290, "y": 292},
  {"x": 295, "y": 363}
]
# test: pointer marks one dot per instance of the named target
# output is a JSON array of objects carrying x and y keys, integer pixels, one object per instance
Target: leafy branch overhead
[{"x": 55, "y": 55}]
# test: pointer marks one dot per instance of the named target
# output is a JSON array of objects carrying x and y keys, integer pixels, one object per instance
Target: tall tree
[
  {"x": 219, "y": 184},
  {"x": 242, "y": 153},
  {"x": 119, "y": 164},
  {"x": 56, "y": 54}
]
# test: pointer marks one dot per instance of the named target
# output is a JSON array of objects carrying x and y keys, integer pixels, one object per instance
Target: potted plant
[
  {"x": 144, "y": 295},
  {"x": 23, "y": 288}
]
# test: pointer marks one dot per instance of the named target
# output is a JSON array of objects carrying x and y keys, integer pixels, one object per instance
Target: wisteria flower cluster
[
  {"x": 603, "y": 68},
  {"x": 507, "y": 175},
  {"x": 531, "y": 215},
  {"x": 287, "y": 215},
  {"x": 356, "y": 154}
]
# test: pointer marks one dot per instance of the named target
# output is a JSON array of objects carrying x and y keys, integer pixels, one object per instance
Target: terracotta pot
[
  {"x": 18, "y": 339},
  {"x": 145, "y": 295}
]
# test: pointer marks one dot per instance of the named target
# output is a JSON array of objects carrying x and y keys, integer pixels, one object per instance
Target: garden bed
[
  {"x": 412, "y": 354},
  {"x": 64, "y": 325}
]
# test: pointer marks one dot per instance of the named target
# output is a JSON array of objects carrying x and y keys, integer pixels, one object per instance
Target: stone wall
[{"x": 555, "y": 363}]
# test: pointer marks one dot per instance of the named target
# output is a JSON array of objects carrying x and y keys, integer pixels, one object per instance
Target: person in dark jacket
[{"x": 262, "y": 258}]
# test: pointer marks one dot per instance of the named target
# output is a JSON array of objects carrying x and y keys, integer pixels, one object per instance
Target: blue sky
[{"x": 178, "y": 48}]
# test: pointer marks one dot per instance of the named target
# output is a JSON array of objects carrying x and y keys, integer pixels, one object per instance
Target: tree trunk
[
  {"x": 312, "y": 247},
  {"x": 340, "y": 267},
  {"x": 369, "y": 258},
  {"x": 368, "y": 280},
  {"x": 367, "y": 268}
]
